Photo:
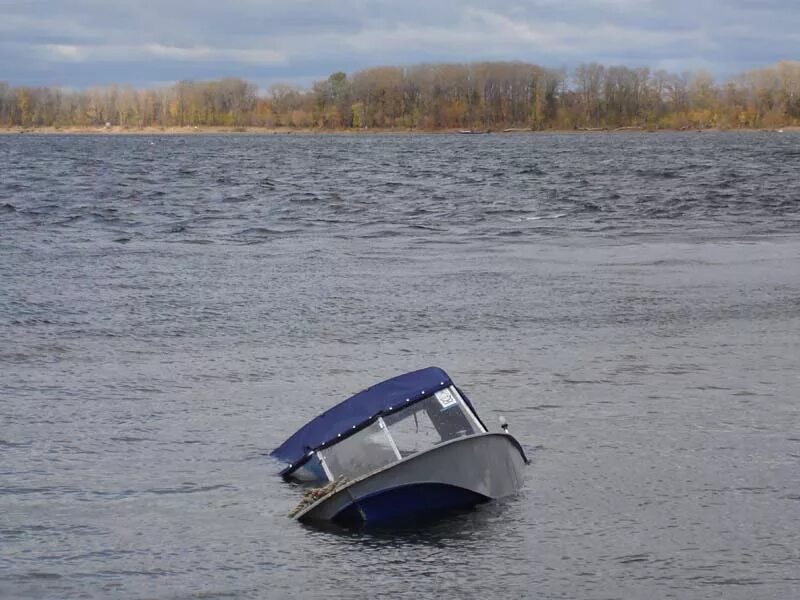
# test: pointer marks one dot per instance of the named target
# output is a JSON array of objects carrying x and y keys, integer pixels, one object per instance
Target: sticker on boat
[{"x": 445, "y": 398}]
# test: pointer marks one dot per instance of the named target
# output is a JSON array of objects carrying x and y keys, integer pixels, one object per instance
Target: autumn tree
[{"x": 484, "y": 95}]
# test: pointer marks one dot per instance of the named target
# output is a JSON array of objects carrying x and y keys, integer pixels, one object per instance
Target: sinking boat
[{"x": 410, "y": 446}]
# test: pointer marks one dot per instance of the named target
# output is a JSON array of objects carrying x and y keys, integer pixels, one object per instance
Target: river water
[{"x": 171, "y": 308}]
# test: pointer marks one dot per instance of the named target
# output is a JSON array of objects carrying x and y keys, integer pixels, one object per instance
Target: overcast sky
[{"x": 78, "y": 43}]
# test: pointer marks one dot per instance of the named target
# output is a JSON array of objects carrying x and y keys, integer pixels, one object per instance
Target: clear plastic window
[
  {"x": 361, "y": 453},
  {"x": 311, "y": 471},
  {"x": 412, "y": 430},
  {"x": 438, "y": 418}
]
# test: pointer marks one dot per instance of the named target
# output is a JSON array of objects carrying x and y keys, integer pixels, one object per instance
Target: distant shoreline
[{"x": 200, "y": 130}]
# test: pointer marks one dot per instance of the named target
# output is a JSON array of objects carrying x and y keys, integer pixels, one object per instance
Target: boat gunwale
[{"x": 350, "y": 482}]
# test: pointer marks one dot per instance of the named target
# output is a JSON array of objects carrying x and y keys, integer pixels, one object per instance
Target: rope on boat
[{"x": 315, "y": 494}]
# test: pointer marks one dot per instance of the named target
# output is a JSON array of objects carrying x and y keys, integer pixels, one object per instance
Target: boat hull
[{"x": 456, "y": 474}]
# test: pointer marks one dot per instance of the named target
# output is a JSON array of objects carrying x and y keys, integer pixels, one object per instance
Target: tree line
[{"x": 486, "y": 96}]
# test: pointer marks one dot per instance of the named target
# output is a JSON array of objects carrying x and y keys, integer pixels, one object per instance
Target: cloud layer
[{"x": 77, "y": 43}]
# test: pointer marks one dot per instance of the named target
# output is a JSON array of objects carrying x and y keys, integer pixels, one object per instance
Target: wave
[
  {"x": 265, "y": 232},
  {"x": 540, "y": 217}
]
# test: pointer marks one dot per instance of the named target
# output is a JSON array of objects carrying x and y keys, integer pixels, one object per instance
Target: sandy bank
[{"x": 308, "y": 131}]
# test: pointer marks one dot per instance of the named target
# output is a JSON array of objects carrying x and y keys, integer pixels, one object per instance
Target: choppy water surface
[{"x": 171, "y": 308}]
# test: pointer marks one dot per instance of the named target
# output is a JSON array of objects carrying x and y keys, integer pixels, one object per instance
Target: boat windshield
[
  {"x": 438, "y": 418},
  {"x": 362, "y": 452}
]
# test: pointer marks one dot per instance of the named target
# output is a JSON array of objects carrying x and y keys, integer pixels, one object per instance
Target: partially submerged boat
[{"x": 410, "y": 446}]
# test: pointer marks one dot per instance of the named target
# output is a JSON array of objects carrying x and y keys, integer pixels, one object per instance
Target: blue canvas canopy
[{"x": 347, "y": 416}]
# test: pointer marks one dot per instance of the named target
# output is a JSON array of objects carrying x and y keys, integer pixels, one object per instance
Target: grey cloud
[{"x": 84, "y": 42}]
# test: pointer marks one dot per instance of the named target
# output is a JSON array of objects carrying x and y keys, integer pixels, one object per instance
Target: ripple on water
[{"x": 171, "y": 307}]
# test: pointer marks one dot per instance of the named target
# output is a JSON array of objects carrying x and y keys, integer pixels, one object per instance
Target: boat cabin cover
[{"x": 427, "y": 396}]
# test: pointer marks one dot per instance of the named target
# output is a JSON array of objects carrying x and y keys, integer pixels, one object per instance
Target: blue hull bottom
[{"x": 408, "y": 501}]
